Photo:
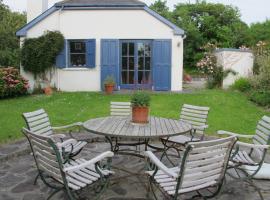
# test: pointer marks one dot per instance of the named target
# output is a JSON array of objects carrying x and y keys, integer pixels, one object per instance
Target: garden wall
[{"x": 241, "y": 61}]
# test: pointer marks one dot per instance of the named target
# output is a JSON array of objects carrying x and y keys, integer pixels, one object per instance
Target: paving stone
[
  {"x": 5, "y": 196},
  {"x": 26, "y": 186},
  {"x": 17, "y": 176},
  {"x": 9, "y": 180},
  {"x": 119, "y": 190},
  {"x": 34, "y": 197},
  {"x": 8, "y": 149}
]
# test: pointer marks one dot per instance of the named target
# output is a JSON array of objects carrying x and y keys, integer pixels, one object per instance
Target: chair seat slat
[
  {"x": 36, "y": 118},
  {"x": 190, "y": 114},
  {"x": 196, "y": 107},
  {"x": 195, "y": 111},
  {"x": 206, "y": 155},
  {"x": 188, "y": 118}
]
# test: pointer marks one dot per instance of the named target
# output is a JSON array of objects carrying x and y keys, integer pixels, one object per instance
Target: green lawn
[{"x": 229, "y": 110}]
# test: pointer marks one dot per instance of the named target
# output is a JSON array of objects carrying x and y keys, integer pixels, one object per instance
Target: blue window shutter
[
  {"x": 61, "y": 58},
  {"x": 162, "y": 58},
  {"x": 110, "y": 60},
  {"x": 91, "y": 53}
]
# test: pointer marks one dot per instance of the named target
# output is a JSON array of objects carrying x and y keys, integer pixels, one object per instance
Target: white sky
[{"x": 251, "y": 10}]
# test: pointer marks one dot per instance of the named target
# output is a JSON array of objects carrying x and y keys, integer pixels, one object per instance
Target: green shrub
[
  {"x": 109, "y": 80},
  {"x": 140, "y": 99},
  {"x": 38, "y": 54},
  {"x": 261, "y": 98},
  {"x": 12, "y": 84},
  {"x": 242, "y": 85}
]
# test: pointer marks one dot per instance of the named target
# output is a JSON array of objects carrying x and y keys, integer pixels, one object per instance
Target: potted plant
[
  {"x": 46, "y": 86},
  {"x": 140, "y": 107},
  {"x": 109, "y": 84}
]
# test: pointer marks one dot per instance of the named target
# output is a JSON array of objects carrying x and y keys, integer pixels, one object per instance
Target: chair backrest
[
  {"x": 262, "y": 135},
  {"x": 47, "y": 156},
  {"x": 204, "y": 164},
  {"x": 120, "y": 108},
  {"x": 195, "y": 115},
  {"x": 38, "y": 122}
]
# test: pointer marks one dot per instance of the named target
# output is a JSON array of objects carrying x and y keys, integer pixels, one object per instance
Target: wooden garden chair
[
  {"x": 250, "y": 156},
  {"x": 120, "y": 108},
  {"x": 196, "y": 116},
  {"x": 202, "y": 166},
  {"x": 69, "y": 176},
  {"x": 38, "y": 122}
]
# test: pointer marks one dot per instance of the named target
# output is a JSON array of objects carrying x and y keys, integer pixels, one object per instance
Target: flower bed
[{"x": 12, "y": 84}]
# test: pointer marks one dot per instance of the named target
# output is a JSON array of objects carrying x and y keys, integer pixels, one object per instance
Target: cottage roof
[
  {"x": 101, "y": 3},
  {"x": 98, "y": 4}
]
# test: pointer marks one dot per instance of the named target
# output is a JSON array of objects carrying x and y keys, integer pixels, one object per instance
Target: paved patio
[{"x": 17, "y": 173}]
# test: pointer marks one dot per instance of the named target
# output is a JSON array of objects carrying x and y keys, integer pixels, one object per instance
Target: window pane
[
  {"x": 140, "y": 77},
  {"x": 124, "y": 49},
  {"x": 140, "y": 63},
  {"x": 140, "y": 49},
  {"x": 124, "y": 77},
  {"x": 147, "y": 63},
  {"x": 147, "y": 77},
  {"x": 131, "y": 49},
  {"x": 131, "y": 63},
  {"x": 131, "y": 77},
  {"x": 147, "y": 50},
  {"x": 124, "y": 63},
  {"x": 77, "y": 47},
  {"x": 78, "y": 60}
]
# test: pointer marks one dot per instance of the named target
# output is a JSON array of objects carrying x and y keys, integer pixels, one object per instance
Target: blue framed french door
[{"x": 136, "y": 64}]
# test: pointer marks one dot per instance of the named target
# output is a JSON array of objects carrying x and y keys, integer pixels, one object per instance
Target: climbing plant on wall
[{"x": 38, "y": 54}]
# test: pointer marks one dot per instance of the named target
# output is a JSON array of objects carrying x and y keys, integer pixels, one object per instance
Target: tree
[
  {"x": 205, "y": 22},
  {"x": 10, "y": 22},
  {"x": 161, "y": 8},
  {"x": 260, "y": 32}
]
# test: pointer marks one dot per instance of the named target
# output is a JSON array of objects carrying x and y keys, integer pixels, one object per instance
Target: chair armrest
[
  {"x": 254, "y": 146},
  {"x": 159, "y": 164},
  {"x": 65, "y": 143},
  {"x": 68, "y": 126},
  {"x": 221, "y": 132},
  {"x": 107, "y": 154}
]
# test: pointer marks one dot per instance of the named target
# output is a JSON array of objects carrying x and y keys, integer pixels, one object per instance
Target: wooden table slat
[{"x": 116, "y": 126}]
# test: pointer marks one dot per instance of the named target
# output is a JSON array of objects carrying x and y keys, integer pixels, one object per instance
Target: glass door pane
[
  {"x": 144, "y": 63},
  {"x": 128, "y": 63}
]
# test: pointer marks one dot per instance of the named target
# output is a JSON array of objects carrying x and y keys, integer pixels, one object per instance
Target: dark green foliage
[
  {"x": 12, "y": 84},
  {"x": 140, "y": 99},
  {"x": 261, "y": 98},
  {"x": 205, "y": 22},
  {"x": 38, "y": 54},
  {"x": 10, "y": 22},
  {"x": 260, "y": 32},
  {"x": 242, "y": 85}
]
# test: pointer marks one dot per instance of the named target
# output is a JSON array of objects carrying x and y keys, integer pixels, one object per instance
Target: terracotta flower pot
[
  {"x": 109, "y": 88},
  {"x": 48, "y": 90},
  {"x": 140, "y": 115}
]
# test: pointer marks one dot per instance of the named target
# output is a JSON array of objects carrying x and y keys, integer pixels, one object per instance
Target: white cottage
[{"x": 123, "y": 38}]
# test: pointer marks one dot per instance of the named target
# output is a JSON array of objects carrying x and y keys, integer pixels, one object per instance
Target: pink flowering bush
[
  {"x": 208, "y": 65},
  {"x": 12, "y": 84}
]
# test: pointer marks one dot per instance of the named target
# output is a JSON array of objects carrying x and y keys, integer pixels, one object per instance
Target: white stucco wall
[
  {"x": 241, "y": 61},
  {"x": 106, "y": 24}
]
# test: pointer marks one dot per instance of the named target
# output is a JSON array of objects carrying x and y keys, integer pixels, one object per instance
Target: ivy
[{"x": 38, "y": 54}]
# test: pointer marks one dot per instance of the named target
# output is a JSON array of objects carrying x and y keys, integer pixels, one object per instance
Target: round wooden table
[{"x": 115, "y": 127}]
